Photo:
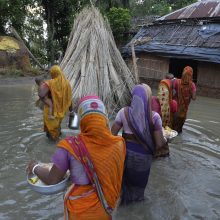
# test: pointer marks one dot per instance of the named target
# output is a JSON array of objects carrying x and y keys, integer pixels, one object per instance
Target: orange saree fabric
[
  {"x": 184, "y": 86},
  {"x": 108, "y": 154}
]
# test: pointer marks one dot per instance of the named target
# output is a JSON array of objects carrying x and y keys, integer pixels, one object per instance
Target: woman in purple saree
[{"x": 142, "y": 130}]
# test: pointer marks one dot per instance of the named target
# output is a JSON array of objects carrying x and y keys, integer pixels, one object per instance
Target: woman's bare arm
[
  {"x": 115, "y": 128},
  {"x": 159, "y": 139},
  {"x": 50, "y": 177},
  {"x": 194, "y": 96}
]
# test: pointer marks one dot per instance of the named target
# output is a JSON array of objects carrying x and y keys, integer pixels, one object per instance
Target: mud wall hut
[
  {"x": 13, "y": 54},
  {"x": 189, "y": 36}
]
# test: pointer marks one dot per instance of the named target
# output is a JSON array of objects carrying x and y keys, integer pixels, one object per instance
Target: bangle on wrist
[{"x": 34, "y": 167}]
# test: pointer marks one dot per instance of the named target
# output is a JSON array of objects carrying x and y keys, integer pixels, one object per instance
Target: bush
[
  {"x": 14, "y": 72},
  {"x": 120, "y": 21}
]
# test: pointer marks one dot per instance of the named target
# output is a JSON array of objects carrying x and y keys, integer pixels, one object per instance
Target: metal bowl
[
  {"x": 170, "y": 134},
  {"x": 42, "y": 188}
]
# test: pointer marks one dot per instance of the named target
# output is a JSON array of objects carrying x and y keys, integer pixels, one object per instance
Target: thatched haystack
[
  {"x": 13, "y": 55},
  {"x": 93, "y": 64}
]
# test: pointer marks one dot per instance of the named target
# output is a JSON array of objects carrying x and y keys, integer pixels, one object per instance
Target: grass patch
[{"x": 13, "y": 72}]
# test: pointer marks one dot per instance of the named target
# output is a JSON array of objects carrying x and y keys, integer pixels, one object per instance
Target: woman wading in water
[
  {"x": 95, "y": 159},
  {"x": 142, "y": 130}
]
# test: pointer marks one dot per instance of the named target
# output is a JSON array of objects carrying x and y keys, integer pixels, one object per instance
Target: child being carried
[{"x": 45, "y": 99}]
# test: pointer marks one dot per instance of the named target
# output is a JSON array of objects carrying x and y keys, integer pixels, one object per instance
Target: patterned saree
[
  {"x": 102, "y": 156},
  {"x": 165, "y": 98}
]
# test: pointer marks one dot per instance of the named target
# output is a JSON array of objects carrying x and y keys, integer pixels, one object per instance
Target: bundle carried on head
[{"x": 93, "y": 64}]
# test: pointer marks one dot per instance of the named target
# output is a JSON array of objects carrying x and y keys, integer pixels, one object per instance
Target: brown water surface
[{"x": 184, "y": 186}]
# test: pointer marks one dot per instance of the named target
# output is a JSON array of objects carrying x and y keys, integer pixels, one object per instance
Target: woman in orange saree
[
  {"x": 60, "y": 91},
  {"x": 95, "y": 159},
  {"x": 185, "y": 91}
]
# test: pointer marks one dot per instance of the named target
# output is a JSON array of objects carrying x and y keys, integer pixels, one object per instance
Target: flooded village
[{"x": 182, "y": 185}]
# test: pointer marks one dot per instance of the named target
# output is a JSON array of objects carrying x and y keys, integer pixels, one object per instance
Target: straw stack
[{"x": 93, "y": 64}]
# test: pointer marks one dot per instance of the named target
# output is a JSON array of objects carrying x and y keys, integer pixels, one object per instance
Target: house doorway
[{"x": 177, "y": 65}]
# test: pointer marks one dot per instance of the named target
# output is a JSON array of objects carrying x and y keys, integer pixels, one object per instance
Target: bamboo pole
[
  {"x": 134, "y": 62},
  {"x": 15, "y": 33}
]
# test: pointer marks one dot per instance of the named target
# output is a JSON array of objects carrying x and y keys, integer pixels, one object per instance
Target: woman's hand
[
  {"x": 30, "y": 166},
  {"x": 166, "y": 133},
  {"x": 159, "y": 139}
]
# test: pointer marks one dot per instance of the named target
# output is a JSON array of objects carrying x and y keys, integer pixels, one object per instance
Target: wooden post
[
  {"x": 29, "y": 52},
  {"x": 134, "y": 62}
]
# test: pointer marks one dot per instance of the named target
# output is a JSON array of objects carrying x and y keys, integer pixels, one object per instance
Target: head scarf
[
  {"x": 184, "y": 91},
  {"x": 107, "y": 153},
  {"x": 187, "y": 75},
  {"x": 91, "y": 104},
  {"x": 60, "y": 91},
  {"x": 165, "y": 97},
  {"x": 100, "y": 142},
  {"x": 140, "y": 114}
]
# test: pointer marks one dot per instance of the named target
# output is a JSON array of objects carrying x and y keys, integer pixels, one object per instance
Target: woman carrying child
[{"x": 60, "y": 91}]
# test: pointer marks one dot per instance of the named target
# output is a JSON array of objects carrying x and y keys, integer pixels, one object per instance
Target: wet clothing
[
  {"x": 138, "y": 123},
  {"x": 184, "y": 89},
  {"x": 156, "y": 105},
  {"x": 61, "y": 95},
  {"x": 95, "y": 146},
  {"x": 168, "y": 106},
  {"x": 137, "y": 170}
]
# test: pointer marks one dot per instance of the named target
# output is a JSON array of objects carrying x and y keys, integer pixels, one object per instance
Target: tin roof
[
  {"x": 187, "y": 41},
  {"x": 200, "y": 9}
]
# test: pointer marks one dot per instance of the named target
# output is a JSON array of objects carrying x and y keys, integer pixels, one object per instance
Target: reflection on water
[{"x": 183, "y": 186}]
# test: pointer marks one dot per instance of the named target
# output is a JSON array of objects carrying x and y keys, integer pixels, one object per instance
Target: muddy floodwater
[{"x": 184, "y": 186}]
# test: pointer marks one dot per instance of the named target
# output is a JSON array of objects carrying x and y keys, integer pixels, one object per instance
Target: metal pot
[{"x": 73, "y": 121}]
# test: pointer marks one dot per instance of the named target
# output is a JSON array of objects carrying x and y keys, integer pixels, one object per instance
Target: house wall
[
  {"x": 151, "y": 68},
  {"x": 208, "y": 79}
]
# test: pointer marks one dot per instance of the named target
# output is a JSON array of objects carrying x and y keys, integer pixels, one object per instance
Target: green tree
[
  {"x": 119, "y": 19},
  {"x": 58, "y": 15},
  {"x": 13, "y": 13},
  {"x": 35, "y": 32}
]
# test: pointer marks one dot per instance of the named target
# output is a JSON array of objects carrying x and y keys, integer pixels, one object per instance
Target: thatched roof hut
[{"x": 13, "y": 54}]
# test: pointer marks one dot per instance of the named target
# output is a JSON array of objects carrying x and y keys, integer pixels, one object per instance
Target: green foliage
[
  {"x": 119, "y": 19},
  {"x": 45, "y": 25},
  {"x": 35, "y": 33},
  {"x": 13, "y": 71},
  {"x": 13, "y": 13}
]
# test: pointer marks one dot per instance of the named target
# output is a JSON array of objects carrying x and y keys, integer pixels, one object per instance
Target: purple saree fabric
[
  {"x": 136, "y": 173},
  {"x": 121, "y": 121},
  {"x": 139, "y": 115},
  {"x": 64, "y": 161}
]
